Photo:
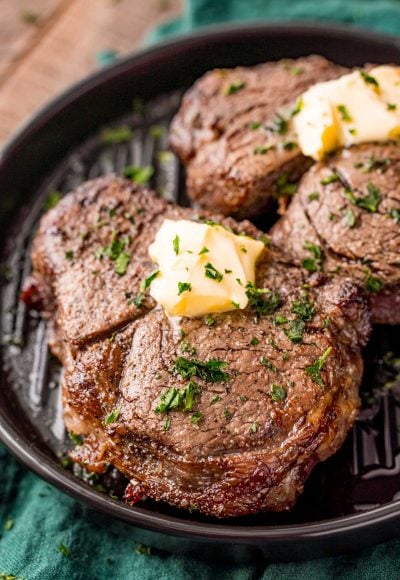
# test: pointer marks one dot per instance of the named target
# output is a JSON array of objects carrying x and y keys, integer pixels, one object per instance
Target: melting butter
[
  {"x": 203, "y": 268},
  {"x": 356, "y": 108}
]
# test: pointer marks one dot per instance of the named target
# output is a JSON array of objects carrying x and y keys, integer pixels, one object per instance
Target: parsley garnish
[
  {"x": 394, "y": 214},
  {"x": 367, "y": 78},
  {"x": 263, "y": 149},
  {"x": 295, "y": 330},
  {"x": 279, "y": 125},
  {"x": 314, "y": 370},
  {"x": 304, "y": 308},
  {"x": 215, "y": 399},
  {"x": 8, "y": 524},
  {"x": 69, "y": 254},
  {"x": 265, "y": 240},
  {"x": 144, "y": 285},
  {"x": 316, "y": 262},
  {"x": 203, "y": 250},
  {"x": 167, "y": 424},
  {"x": 53, "y": 197},
  {"x": 210, "y": 371},
  {"x": 121, "y": 263},
  {"x": 372, "y": 283},
  {"x": 280, "y": 319},
  {"x": 77, "y": 439},
  {"x": 314, "y": 196},
  {"x": 369, "y": 202},
  {"x": 254, "y": 341},
  {"x": 284, "y": 186},
  {"x": 262, "y": 300},
  {"x": 227, "y": 414},
  {"x": 350, "y": 218},
  {"x": 235, "y": 304},
  {"x": 268, "y": 364},
  {"x": 234, "y": 88},
  {"x": 179, "y": 399},
  {"x": 289, "y": 145},
  {"x": 344, "y": 112},
  {"x": 253, "y": 428},
  {"x": 184, "y": 287},
  {"x": 112, "y": 417},
  {"x": 157, "y": 131},
  {"x": 140, "y": 175},
  {"x": 116, "y": 252},
  {"x": 372, "y": 163},
  {"x": 391, "y": 106},
  {"x": 329, "y": 179},
  {"x": 277, "y": 393},
  {"x": 116, "y": 135},
  {"x": 175, "y": 244},
  {"x": 209, "y": 321},
  {"x": 196, "y": 418},
  {"x": 211, "y": 272},
  {"x": 253, "y": 125},
  {"x": 64, "y": 550}
]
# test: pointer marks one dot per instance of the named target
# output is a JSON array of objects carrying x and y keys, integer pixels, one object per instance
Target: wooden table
[{"x": 46, "y": 45}]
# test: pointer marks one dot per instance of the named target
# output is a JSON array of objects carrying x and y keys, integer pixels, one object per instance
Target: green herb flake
[
  {"x": 284, "y": 186},
  {"x": 315, "y": 263},
  {"x": 349, "y": 218},
  {"x": 121, "y": 263},
  {"x": 391, "y": 106},
  {"x": 280, "y": 319},
  {"x": 179, "y": 399},
  {"x": 227, "y": 414},
  {"x": 289, "y": 145},
  {"x": 266, "y": 240},
  {"x": 112, "y": 417},
  {"x": 344, "y": 113},
  {"x": 227, "y": 271},
  {"x": 254, "y": 341},
  {"x": 304, "y": 308},
  {"x": 8, "y": 524},
  {"x": 262, "y": 300},
  {"x": 235, "y": 304},
  {"x": 253, "y": 125},
  {"x": 279, "y": 125},
  {"x": 196, "y": 418},
  {"x": 146, "y": 283},
  {"x": 210, "y": 371},
  {"x": 139, "y": 175},
  {"x": 329, "y": 179},
  {"x": 143, "y": 550},
  {"x": 184, "y": 287},
  {"x": 369, "y": 202},
  {"x": 176, "y": 244},
  {"x": 253, "y": 428},
  {"x": 167, "y": 424},
  {"x": 209, "y": 321},
  {"x": 268, "y": 364},
  {"x": 394, "y": 214},
  {"x": 277, "y": 393},
  {"x": 374, "y": 164},
  {"x": 30, "y": 17},
  {"x": 157, "y": 131},
  {"x": 215, "y": 399},
  {"x": 114, "y": 136},
  {"x": 263, "y": 149},
  {"x": 314, "y": 370},
  {"x": 69, "y": 255},
  {"x": 77, "y": 439},
  {"x": 372, "y": 283},
  {"x": 53, "y": 198},
  {"x": 295, "y": 330},
  {"x": 64, "y": 550},
  {"x": 368, "y": 79},
  {"x": 234, "y": 88},
  {"x": 212, "y": 273},
  {"x": 314, "y": 196},
  {"x": 203, "y": 250}
]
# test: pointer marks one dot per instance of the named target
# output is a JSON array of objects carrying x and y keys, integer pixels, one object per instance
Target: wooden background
[{"x": 46, "y": 45}]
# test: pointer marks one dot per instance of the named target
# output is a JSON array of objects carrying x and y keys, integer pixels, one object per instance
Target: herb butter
[
  {"x": 203, "y": 268},
  {"x": 356, "y": 108}
]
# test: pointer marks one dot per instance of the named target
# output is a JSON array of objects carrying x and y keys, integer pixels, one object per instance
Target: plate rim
[{"x": 41, "y": 464}]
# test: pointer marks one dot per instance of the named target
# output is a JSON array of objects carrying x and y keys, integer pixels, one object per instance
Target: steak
[
  {"x": 347, "y": 209},
  {"x": 227, "y": 124},
  {"x": 224, "y": 414}
]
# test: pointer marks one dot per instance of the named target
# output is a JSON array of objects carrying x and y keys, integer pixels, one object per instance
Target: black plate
[{"x": 350, "y": 500}]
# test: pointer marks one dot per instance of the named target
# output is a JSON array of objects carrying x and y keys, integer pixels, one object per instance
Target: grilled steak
[
  {"x": 225, "y": 127},
  {"x": 225, "y": 414},
  {"x": 348, "y": 209}
]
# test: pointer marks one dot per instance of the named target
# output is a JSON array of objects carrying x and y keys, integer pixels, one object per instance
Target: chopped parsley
[
  {"x": 391, "y": 106},
  {"x": 227, "y": 271},
  {"x": 295, "y": 330},
  {"x": 184, "y": 287},
  {"x": 262, "y": 300},
  {"x": 289, "y": 145},
  {"x": 350, "y": 218},
  {"x": 209, "y": 321},
  {"x": 235, "y": 304},
  {"x": 372, "y": 283},
  {"x": 254, "y": 341},
  {"x": 215, "y": 399},
  {"x": 268, "y": 364},
  {"x": 30, "y": 17},
  {"x": 203, "y": 250},
  {"x": 114, "y": 136},
  {"x": 64, "y": 550},
  {"x": 143, "y": 549},
  {"x": 314, "y": 370},
  {"x": 77, "y": 439},
  {"x": 277, "y": 393},
  {"x": 263, "y": 149},
  {"x": 140, "y": 175},
  {"x": 284, "y": 186},
  {"x": 297, "y": 108},
  {"x": 266, "y": 240},
  {"x": 314, "y": 196},
  {"x": 69, "y": 255},
  {"x": 329, "y": 179},
  {"x": 175, "y": 244},
  {"x": 196, "y": 418},
  {"x": 112, "y": 417},
  {"x": 374, "y": 164},
  {"x": 344, "y": 113},
  {"x": 53, "y": 197},
  {"x": 394, "y": 214},
  {"x": 179, "y": 399},
  {"x": 167, "y": 424},
  {"x": 210, "y": 371},
  {"x": 279, "y": 125},
  {"x": 280, "y": 319},
  {"x": 304, "y": 308},
  {"x": 234, "y": 87},
  {"x": 157, "y": 131},
  {"x": 121, "y": 263},
  {"x": 144, "y": 285},
  {"x": 8, "y": 524},
  {"x": 227, "y": 414},
  {"x": 253, "y": 125},
  {"x": 368, "y": 79},
  {"x": 253, "y": 428},
  {"x": 116, "y": 252},
  {"x": 211, "y": 272},
  {"x": 315, "y": 263},
  {"x": 369, "y": 202}
]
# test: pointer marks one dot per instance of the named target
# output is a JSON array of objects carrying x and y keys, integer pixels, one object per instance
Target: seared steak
[
  {"x": 349, "y": 209},
  {"x": 225, "y": 127},
  {"x": 225, "y": 414}
]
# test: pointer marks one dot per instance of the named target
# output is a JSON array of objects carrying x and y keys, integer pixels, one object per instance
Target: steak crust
[
  {"x": 349, "y": 206},
  {"x": 224, "y": 124},
  {"x": 249, "y": 441}
]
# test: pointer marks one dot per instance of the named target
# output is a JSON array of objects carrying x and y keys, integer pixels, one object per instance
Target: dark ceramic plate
[{"x": 351, "y": 500}]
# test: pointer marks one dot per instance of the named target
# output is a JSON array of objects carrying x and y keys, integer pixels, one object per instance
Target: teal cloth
[{"x": 35, "y": 519}]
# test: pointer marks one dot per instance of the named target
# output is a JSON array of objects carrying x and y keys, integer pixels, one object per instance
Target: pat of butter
[
  {"x": 355, "y": 108},
  {"x": 202, "y": 268}
]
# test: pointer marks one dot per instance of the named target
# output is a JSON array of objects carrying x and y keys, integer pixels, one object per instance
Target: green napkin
[{"x": 46, "y": 535}]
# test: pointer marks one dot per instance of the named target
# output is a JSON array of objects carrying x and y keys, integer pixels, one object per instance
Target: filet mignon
[
  {"x": 225, "y": 126},
  {"x": 224, "y": 414},
  {"x": 348, "y": 210}
]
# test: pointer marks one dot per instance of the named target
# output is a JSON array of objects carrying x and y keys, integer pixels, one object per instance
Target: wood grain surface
[{"x": 46, "y": 45}]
